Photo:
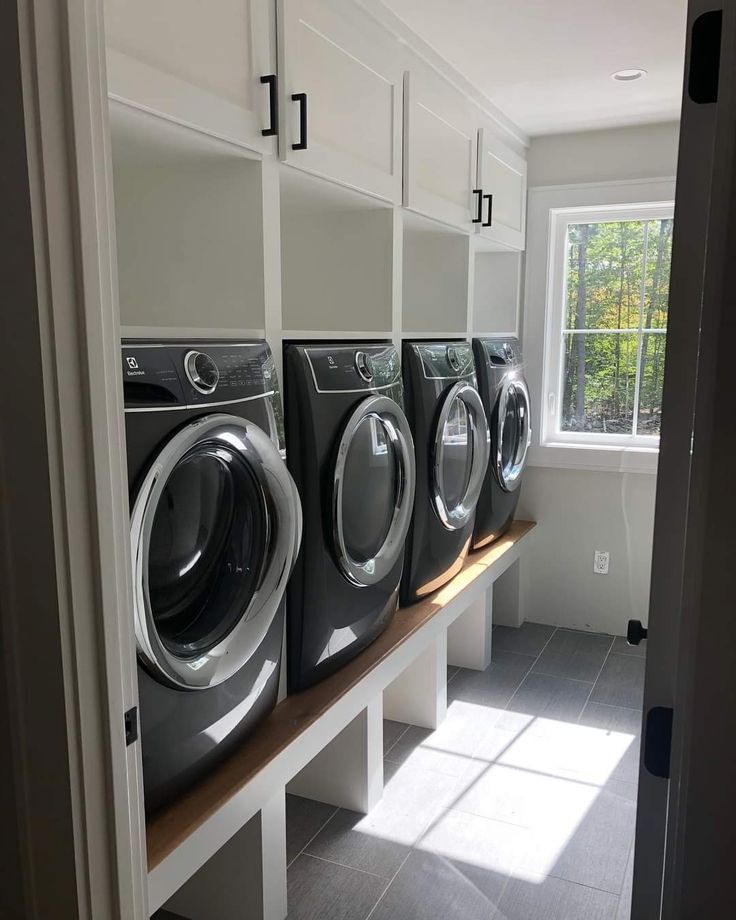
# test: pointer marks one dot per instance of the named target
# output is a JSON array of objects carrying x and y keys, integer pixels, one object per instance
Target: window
[{"x": 608, "y": 293}]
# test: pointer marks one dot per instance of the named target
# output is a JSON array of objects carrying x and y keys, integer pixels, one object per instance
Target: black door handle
[
  {"x": 635, "y": 632},
  {"x": 479, "y": 216},
  {"x": 489, "y": 221},
  {"x": 273, "y": 105},
  {"x": 301, "y": 98}
]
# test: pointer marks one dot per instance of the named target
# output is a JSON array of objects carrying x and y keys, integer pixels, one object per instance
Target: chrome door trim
[
  {"x": 510, "y": 479},
  {"x": 457, "y": 517},
  {"x": 281, "y": 502},
  {"x": 390, "y": 415}
]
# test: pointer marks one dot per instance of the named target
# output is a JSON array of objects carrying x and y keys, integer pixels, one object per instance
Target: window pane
[
  {"x": 599, "y": 378},
  {"x": 657, "y": 279},
  {"x": 604, "y": 274},
  {"x": 652, "y": 372}
]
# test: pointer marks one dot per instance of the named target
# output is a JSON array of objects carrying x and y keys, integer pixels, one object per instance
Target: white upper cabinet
[
  {"x": 440, "y": 138},
  {"x": 502, "y": 179},
  {"x": 197, "y": 63},
  {"x": 341, "y": 82}
]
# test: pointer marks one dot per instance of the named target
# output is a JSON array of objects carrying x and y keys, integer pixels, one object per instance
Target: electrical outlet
[{"x": 600, "y": 561}]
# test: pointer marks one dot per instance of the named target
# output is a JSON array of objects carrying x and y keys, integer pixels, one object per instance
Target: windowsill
[{"x": 588, "y": 457}]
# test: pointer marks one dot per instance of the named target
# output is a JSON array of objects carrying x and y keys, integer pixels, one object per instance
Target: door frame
[
  {"x": 685, "y": 844},
  {"x": 65, "y": 580}
]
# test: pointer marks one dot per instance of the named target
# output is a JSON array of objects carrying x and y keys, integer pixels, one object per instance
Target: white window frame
[{"x": 551, "y": 434}]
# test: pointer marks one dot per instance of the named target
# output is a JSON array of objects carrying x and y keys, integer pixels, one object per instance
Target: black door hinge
[
  {"x": 705, "y": 57},
  {"x": 131, "y": 725},
  {"x": 658, "y": 741}
]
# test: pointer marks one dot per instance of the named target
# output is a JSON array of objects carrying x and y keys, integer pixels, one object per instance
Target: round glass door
[
  {"x": 513, "y": 433},
  {"x": 372, "y": 468},
  {"x": 461, "y": 453},
  {"x": 215, "y": 529},
  {"x": 373, "y": 490},
  {"x": 206, "y": 550}
]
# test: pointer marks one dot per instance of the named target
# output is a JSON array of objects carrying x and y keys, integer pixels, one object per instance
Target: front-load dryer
[
  {"x": 352, "y": 458},
  {"x": 505, "y": 395},
  {"x": 451, "y": 443},
  {"x": 215, "y": 528}
]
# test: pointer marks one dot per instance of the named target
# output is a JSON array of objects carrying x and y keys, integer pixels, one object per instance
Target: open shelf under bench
[{"x": 183, "y": 836}]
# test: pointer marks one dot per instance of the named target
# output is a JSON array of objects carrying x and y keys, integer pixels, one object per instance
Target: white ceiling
[{"x": 547, "y": 64}]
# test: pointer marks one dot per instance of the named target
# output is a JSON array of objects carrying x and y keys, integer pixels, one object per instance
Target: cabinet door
[
  {"x": 349, "y": 71},
  {"x": 440, "y": 137},
  {"x": 502, "y": 174},
  {"x": 195, "y": 62}
]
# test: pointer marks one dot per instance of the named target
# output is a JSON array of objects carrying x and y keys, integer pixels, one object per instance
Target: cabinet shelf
[
  {"x": 434, "y": 278},
  {"x": 189, "y": 227},
  {"x": 336, "y": 258},
  {"x": 496, "y": 292}
]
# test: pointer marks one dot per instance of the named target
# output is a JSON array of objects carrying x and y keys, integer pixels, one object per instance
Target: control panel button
[
  {"x": 364, "y": 366},
  {"x": 201, "y": 371}
]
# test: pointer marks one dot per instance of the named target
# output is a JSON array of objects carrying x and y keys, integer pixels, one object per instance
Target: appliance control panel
[
  {"x": 197, "y": 373},
  {"x": 352, "y": 369},
  {"x": 503, "y": 350},
  {"x": 446, "y": 360}
]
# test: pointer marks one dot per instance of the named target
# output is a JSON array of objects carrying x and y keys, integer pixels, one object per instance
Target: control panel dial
[
  {"x": 201, "y": 371},
  {"x": 364, "y": 366}
]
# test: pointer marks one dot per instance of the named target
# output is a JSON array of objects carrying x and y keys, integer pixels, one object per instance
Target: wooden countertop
[{"x": 169, "y": 827}]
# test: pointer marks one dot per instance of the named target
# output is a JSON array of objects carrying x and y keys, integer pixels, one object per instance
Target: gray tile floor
[{"x": 521, "y": 806}]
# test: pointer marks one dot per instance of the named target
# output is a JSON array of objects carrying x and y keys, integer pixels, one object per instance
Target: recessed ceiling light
[{"x": 626, "y": 76}]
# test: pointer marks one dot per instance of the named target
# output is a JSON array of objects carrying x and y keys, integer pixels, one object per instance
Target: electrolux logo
[{"x": 133, "y": 368}]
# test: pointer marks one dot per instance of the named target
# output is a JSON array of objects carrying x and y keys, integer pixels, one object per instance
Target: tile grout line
[
  {"x": 552, "y": 634},
  {"x": 592, "y": 689},
  {"x": 400, "y": 736},
  {"x": 333, "y": 862},
  {"x": 313, "y": 837}
]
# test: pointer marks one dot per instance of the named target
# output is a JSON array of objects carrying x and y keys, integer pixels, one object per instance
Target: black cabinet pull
[
  {"x": 489, "y": 222},
  {"x": 479, "y": 216},
  {"x": 273, "y": 105},
  {"x": 301, "y": 98}
]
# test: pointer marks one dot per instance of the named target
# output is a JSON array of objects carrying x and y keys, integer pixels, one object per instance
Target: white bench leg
[
  {"x": 469, "y": 637},
  {"x": 419, "y": 694},
  {"x": 348, "y": 772},
  {"x": 507, "y": 610},
  {"x": 246, "y": 878}
]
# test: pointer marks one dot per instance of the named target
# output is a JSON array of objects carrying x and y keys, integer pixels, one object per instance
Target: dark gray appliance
[
  {"x": 505, "y": 395},
  {"x": 215, "y": 528},
  {"x": 352, "y": 458},
  {"x": 451, "y": 443}
]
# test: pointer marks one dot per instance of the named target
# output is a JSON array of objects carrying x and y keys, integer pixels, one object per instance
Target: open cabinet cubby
[
  {"x": 189, "y": 226},
  {"x": 434, "y": 279},
  {"x": 336, "y": 259},
  {"x": 496, "y": 292}
]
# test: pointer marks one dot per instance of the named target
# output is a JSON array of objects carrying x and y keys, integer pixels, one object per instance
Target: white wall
[
  {"x": 581, "y": 510},
  {"x": 617, "y": 154}
]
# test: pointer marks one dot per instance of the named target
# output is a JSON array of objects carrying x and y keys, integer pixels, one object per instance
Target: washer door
[
  {"x": 513, "y": 433},
  {"x": 215, "y": 529},
  {"x": 461, "y": 450},
  {"x": 373, "y": 491}
]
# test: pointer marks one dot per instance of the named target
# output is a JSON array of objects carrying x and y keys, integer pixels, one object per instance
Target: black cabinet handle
[
  {"x": 273, "y": 105},
  {"x": 301, "y": 98},
  {"x": 489, "y": 221},
  {"x": 479, "y": 216}
]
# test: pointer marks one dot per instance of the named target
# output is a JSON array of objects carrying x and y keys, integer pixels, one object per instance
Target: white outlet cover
[{"x": 601, "y": 559}]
